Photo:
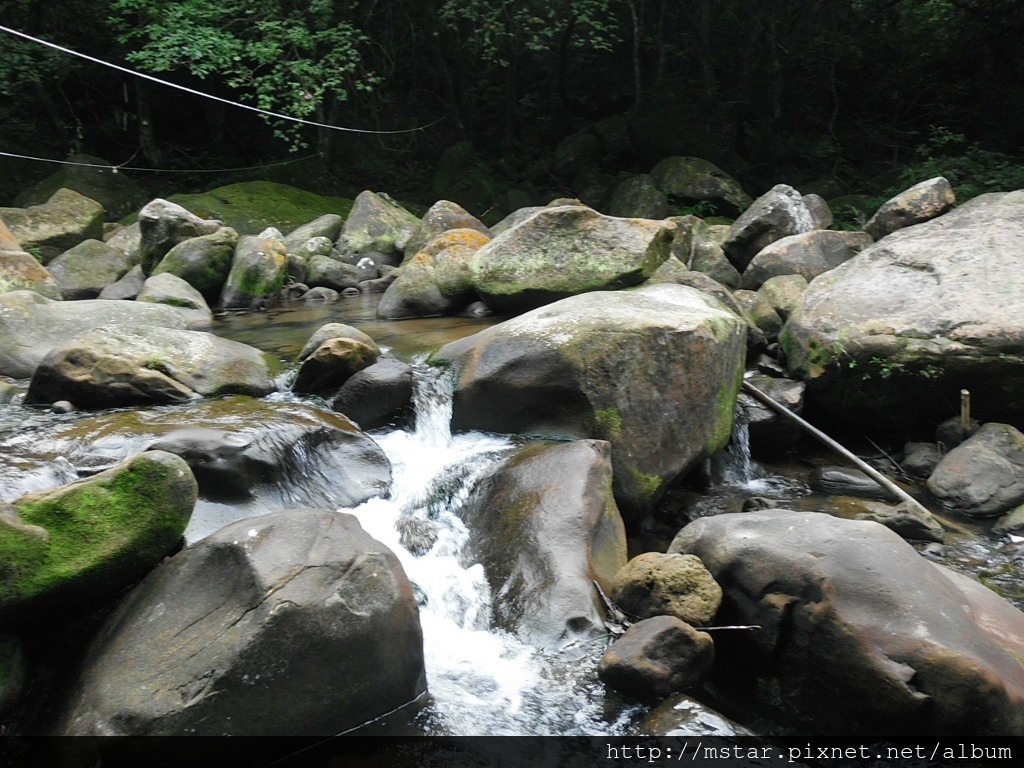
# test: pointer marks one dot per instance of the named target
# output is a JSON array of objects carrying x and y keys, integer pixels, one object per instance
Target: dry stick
[
  {"x": 965, "y": 413},
  {"x": 866, "y": 468}
]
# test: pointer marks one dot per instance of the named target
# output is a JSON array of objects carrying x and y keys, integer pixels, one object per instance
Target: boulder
[
  {"x": 545, "y": 527},
  {"x": 920, "y": 459},
  {"x": 859, "y": 635},
  {"x": 162, "y": 225},
  {"x": 638, "y": 197},
  {"x": 897, "y": 331},
  {"x": 984, "y": 475},
  {"x": 258, "y": 271},
  {"x": 330, "y": 331},
  {"x": 683, "y": 716},
  {"x": 31, "y": 325},
  {"x": 62, "y": 222},
  {"x": 83, "y": 271},
  {"x": 115, "y": 366},
  {"x": 687, "y": 181},
  {"x": 910, "y": 522},
  {"x": 128, "y": 240},
  {"x": 820, "y": 211},
  {"x": 114, "y": 190},
  {"x": 441, "y": 217},
  {"x": 332, "y": 363},
  {"x": 779, "y": 212},
  {"x": 654, "y": 371},
  {"x": 165, "y": 288},
  {"x": 809, "y": 255},
  {"x": 328, "y": 272},
  {"x": 566, "y": 250},
  {"x": 657, "y": 584},
  {"x": 377, "y": 395},
  {"x": 707, "y": 256},
  {"x": 83, "y": 542},
  {"x": 760, "y": 312},
  {"x": 19, "y": 271},
  {"x": 203, "y": 262},
  {"x": 657, "y": 657},
  {"x": 845, "y": 481},
  {"x": 920, "y": 203},
  {"x": 294, "y": 623},
  {"x": 784, "y": 293},
  {"x": 376, "y": 228},
  {"x": 127, "y": 288},
  {"x": 437, "y": 280},
  {"x": 327, "y": 226}
]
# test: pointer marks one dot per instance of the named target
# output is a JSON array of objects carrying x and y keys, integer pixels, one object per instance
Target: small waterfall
[
  {"x": 735, "y": 466},
  {"x": 482, "y": 681}
]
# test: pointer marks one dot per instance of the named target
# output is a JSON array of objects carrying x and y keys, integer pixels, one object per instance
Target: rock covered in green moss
[
  {"x": 258, "y": 272},
  {"x": 565, "y": 250},
  {"x": 162, "y": 225},
  {"x": 63, "y": 221},
  {"x": 204, "y": 261},
  {"x": 175, "y": 292},
  {"x": 655, "y": 371},
  {"x": 377, "y": 228},
  {"x": 89, "y": 539}
]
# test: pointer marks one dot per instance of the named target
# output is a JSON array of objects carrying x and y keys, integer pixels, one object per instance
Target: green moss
[
  {"x": 647, "y": 485},
  {"x": 608, "y": 423},
  {"x": 117, "y": 526},
  {"x": 252, "y": 206}
]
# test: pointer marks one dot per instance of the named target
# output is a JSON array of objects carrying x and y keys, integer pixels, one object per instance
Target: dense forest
[{"x": 499, "y": 101}]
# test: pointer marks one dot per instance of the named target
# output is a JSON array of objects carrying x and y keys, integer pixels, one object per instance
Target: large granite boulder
[
  {"x": 809, "y": 254},
  {"x": 984, "y": 475},
  {"x": 693, "y": 180},
  {"x": 441, "y": 217},
  {"x": 921, "y": 202},
  {"x": 115, "y": 366},
  {"x": 20, "y": 271},
  {"x": 896, "y": 332},
  {"x": 859, "y": 635},
  {"x": 203, "y": 261},
  {"x": 377, "y": 395},
  {"x": 654, "y": 371},
  {"x": 162, "y": 225},
  {"x": 62, "y": 222},
  {"x": 177, "y": 293},
  {"x": 87, "y": 268},
  {"x": 31, "y": 325},
  {"x": 437, "y": 280},
  {"x": 96, "y": 179},
  {"x": 83, "y": 542},
  {"x": 565, "y": 250},
  {"x": 638, "y": 197},
  {"x": 545, "y": 527},
  {"x": 294, "y": 623},
  {"x": 778, "y": 213},
  {"x": 377, "y": 228},
  {"x": 258, "y": 272},
  {"x": 328, "y": 225}
]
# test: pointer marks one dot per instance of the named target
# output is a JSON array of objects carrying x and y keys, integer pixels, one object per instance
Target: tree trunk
[{"x": 147, "y": 134}]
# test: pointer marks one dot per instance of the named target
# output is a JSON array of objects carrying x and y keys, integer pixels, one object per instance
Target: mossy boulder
[
  {"x": 83, "y": 271},
  {"x": 638, "y": 196},
  {"x": 437, "y": 280},
  {"x": 63, "y": 221},
  {"x": 87, "y": 540},
  {"x": 441, "y": 217},
  {"x": 250, "y": 207},
  {"x": 115, "y": 190},
  {"x": 204, "y": 261},
  {"x": 378, "y": 228},
  {"x": 162, "y": 225},
  {"x": 564, "y": 250},
  {"x": 258, "y": 272},
  {"x": 19, "y": 271},
  {"x": 655, "y": 371},
  {"x": 171, "y": 290},
  {"x": 686, "y": 181}
]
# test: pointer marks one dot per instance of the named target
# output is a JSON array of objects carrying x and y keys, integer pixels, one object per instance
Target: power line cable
[
  {"x": 124, "y": 167},
  {"x": 194, "y": 92}
]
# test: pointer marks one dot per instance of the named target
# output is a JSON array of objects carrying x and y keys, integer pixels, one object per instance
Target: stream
[{"x": 481, "y": 681}]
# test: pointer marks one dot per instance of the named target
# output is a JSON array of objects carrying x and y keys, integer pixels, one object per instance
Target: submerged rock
[{"x": 295, "y": 623}]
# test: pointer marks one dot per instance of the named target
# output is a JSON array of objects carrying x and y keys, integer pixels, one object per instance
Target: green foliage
[{"x": 291, "y": 58}]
